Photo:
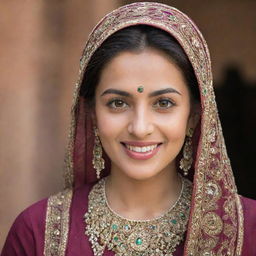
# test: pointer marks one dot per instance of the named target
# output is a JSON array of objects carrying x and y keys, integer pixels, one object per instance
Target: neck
[{"x": 143, "y": 199}]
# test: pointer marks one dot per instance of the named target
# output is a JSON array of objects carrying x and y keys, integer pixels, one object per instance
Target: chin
[
  {"x": 141, "y": 173},
  {"x": 141, "y": 176}
]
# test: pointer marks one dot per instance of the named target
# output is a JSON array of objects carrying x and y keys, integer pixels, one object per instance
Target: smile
[{"x": 141, "y": 150}]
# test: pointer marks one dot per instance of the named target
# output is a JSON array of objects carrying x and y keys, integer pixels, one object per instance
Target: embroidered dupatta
[{"x": 216, "y": 217}]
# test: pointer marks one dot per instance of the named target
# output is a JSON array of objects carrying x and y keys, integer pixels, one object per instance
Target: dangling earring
[
  {"x": 187, "y": 160},
  {"x": 97, "y": 161}
]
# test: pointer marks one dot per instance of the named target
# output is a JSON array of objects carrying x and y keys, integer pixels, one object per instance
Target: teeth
[{"x": 141, "y": 149}]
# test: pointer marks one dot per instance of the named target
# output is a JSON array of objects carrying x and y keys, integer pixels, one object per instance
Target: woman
[{"x": 145, "y": 96}]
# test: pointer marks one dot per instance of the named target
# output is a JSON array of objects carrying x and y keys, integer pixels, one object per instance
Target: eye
[
  {"x": 117, "y": 104},
  {"x": 163, "y": 104}
]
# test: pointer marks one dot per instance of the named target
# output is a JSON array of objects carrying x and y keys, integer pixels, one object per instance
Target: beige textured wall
[
  {"x": 40, "y": 45},
  {"x": 229, "y": 27}
]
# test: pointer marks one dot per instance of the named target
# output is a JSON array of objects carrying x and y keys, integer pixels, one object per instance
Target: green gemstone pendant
[
  {"x": 174, "y": 221},
  {"x": 182, "y": 215},
  {"x": 138, "y": 241},
  {"x": 114, "y": 227}
]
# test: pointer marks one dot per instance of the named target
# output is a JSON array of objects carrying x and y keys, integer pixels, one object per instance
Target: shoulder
[
  {"x": 26, "y": 234},
  {"x": 248, "y": 203},
  {"x": 32, "y": 217},
  {"x": 33, "y": 225},
  {"x": 249, "y": 210},
  {"x": 249, "y": 213}
]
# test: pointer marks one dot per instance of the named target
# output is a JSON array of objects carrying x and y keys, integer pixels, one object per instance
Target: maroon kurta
[{"x": 26, "y": 236}]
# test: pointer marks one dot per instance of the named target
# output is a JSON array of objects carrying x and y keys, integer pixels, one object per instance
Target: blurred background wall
[{"x": 40, "y": 45}]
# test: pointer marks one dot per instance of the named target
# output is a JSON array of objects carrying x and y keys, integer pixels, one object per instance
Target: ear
[{"x": 194, "y": 116}]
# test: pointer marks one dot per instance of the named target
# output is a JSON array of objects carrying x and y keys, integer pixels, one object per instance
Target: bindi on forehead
[{"x": 140, "y": 89}]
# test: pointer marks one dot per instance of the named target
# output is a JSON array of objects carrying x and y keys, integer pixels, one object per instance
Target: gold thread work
[
  {"x": 158, "y": 237},
  {"x": 57, "y": 223}
]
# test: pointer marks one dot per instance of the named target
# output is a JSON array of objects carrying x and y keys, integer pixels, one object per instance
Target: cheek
[
  {"x": 175, "y": 132},
  {"x": 174, "y": 125},
  {"x": 109, "y": 124}
]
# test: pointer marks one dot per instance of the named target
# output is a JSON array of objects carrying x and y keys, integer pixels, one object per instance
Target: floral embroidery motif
[{"x": 212, "y": 224}]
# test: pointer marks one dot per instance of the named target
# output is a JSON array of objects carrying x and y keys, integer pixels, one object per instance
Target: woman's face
[{"x": 142, "y": 132}]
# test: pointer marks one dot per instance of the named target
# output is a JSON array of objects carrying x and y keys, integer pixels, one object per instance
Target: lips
[{"x": 141, "y": 150}]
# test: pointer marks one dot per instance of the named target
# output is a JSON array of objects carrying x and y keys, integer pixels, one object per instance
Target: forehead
[{"x": 149, "y": 68}]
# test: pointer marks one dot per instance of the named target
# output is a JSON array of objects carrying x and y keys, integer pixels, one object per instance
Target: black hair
[{"x": 136, "y": 38}]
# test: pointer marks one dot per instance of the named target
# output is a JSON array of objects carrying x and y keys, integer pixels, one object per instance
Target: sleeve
[
  {"x": 26, "y": 236},
  {"x": 249, "y": 208},
  {"x": 20, "y": 240}
]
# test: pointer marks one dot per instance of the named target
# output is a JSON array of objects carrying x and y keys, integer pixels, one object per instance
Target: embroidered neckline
[{"x": 159, "y": 236}]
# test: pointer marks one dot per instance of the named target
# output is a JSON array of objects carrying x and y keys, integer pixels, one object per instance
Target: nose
[{"x": 141, "y": 125}]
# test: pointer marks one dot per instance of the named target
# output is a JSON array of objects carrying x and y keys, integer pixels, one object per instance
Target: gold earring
[
  {"x": 97, "y": 161},
  {"x": 187, "y": 160}
]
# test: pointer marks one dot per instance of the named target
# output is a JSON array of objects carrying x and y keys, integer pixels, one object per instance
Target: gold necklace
[{"x": 158, "y": 237}]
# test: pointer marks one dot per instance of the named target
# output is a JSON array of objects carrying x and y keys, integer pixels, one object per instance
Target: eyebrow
[
  {"x": 152, "y": 94},
  {"x": 163, "y": 91},
  {"x": 115, "y": 91}
]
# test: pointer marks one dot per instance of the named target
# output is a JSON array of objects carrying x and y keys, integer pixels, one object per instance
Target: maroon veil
[{"x": 216, "y": 219}]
